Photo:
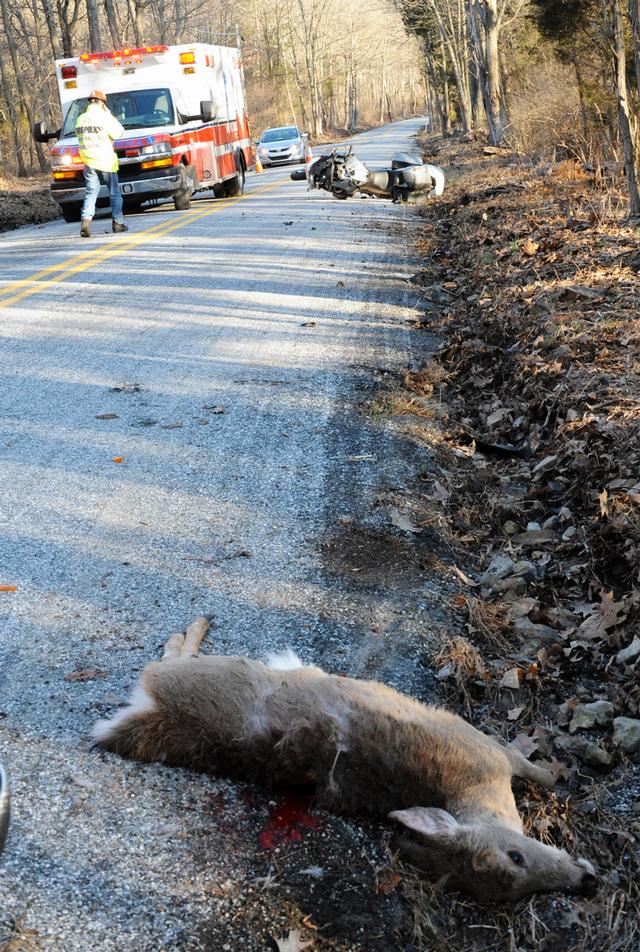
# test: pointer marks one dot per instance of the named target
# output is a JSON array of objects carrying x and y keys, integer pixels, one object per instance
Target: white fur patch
[
  {"x": 140, "y": 702},
  {"x": 284, "y": 660}
]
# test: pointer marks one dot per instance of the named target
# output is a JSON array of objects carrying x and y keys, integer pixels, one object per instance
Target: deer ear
[{"x": 431, "y": 822}]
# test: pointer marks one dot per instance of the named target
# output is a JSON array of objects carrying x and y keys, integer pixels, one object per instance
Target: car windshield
[
  {"x": 135, "y": 109},
  {"x": 275, "y": 135}
]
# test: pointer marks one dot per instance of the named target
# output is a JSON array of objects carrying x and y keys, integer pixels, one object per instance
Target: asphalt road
[{"x": 183, "y": 433}]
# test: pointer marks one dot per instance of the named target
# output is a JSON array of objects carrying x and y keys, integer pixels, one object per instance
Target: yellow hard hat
[{"x": 97, "y": 94}]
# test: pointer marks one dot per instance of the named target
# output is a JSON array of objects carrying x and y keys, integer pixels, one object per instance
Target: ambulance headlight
[{"x": 156, "y": 147}]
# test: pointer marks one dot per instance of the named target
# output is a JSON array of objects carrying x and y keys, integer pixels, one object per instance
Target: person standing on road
[{"x": 96, "y": 130}]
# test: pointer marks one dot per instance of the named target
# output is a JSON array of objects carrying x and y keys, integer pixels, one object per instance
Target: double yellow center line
[{"x": 42, "y": 280}]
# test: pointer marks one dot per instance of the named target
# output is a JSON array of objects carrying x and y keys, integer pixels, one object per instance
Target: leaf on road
[
  {"x": 118, "y": 459},
  {"x": 606, "y": 615},
  {"x": 214, "y": 408},
  {"x": 511, "y": 678},
  {"x": 525, "y": 743},
  {"x": 292, "y": 943},
  {"x": 400, "y": 521},
  {"x": 107, "y": 416},
  {"x": 8, "y": 588},
  {"x": 85, "y": 674},
  {"x": 439, "y": 493},
  {"x": 83, "y": 782},
  {"x": 387, "y": 881},
  {"x": 604, "y": 502}
]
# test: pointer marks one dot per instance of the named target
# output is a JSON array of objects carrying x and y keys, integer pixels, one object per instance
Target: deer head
[{"x": 488, "y": 859}]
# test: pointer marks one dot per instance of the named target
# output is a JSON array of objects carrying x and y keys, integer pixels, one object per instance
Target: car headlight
[{"x": 156, "y": 147}]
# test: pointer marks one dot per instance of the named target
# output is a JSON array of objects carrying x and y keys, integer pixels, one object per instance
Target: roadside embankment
[
  {"x": 26, "y": 202},
  {"x": 531, "y": 407}
]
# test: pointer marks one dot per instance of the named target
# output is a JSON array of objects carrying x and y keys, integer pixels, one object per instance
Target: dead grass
[
  {"x": 404, "y": 403},
  {"x": 489, "y": 621}
]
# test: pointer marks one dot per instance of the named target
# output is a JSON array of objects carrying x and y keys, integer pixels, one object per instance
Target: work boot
[
  {"x": 117, "y": 226},
  {"x": 85, "y": 230}
]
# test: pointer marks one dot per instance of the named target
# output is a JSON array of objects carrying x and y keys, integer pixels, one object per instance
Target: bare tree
[{"x": 615, "y": 31}]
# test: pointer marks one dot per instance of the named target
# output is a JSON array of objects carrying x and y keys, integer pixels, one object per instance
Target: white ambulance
[{"x": 183, "y": 108}]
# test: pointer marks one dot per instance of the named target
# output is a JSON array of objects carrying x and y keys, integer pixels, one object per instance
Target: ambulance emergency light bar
[
  {"x": 121, "y": 54},
  {"x": 125, "y": 57}
]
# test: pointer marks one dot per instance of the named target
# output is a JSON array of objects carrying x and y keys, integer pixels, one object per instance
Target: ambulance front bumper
[{"x": 141, "y": 188}]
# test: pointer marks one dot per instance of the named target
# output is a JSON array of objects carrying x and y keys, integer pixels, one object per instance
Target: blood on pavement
[{"x": 287, "y": 819}]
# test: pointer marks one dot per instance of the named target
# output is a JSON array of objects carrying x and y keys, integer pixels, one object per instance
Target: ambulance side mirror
[
  {"x": 41, "y": 133},
  {"x": 206, "y": 110}
]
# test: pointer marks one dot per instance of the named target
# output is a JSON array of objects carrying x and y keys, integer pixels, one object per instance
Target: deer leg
[
  {"x": 173, "y": 647},
  {"x": 521, "y": 767},
  {"x": 193, "y": 638}
]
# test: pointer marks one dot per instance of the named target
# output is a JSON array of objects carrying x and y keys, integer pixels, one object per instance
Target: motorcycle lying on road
[{"x": 343, "y": 174}]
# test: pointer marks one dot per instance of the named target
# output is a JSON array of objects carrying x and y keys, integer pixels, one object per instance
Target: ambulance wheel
[
  {"x": 235, "y": 186},
  {"x": 182, "y": 198},
  {"x": 131, "y": 206},
  {"x": 71, "y": 211}
]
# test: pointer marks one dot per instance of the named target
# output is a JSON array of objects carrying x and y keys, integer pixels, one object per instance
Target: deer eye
[{"x": 516, "y": 857}]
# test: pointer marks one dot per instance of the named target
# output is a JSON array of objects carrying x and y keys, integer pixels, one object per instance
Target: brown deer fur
[{"x": 365, "y": 748}]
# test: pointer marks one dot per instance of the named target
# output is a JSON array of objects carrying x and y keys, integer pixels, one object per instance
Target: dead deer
[{"x": 365, "y": 748}]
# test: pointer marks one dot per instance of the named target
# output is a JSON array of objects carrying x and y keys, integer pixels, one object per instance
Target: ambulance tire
[
  {"x": 131, "y": 206},
  {"x": 71, "y": 211},
  {"x": 182, "y": 198},
  {"x": 235, "y": 186}
]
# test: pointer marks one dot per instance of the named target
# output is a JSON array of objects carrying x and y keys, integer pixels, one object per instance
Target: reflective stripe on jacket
[{"x": 96, "y": 129}]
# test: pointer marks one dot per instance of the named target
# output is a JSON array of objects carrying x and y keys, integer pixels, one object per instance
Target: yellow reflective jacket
[{"x": 96, "y": 129}]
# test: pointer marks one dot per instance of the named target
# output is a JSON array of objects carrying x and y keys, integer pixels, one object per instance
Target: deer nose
[{"x": 589, "y": 879}]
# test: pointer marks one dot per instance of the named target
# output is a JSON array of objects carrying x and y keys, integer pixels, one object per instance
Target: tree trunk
[
  {"x": 135, "y": 16},
  {"x": 446, "y": 95},
  {"x": 112, "y": 23},
  {"x": 634, "y": 16},
  {"x": 68, "y": 21},
  {"x": 52, "y": 28},
  {"x": 616, "y": 35},
  {"x": 492, "y": 61},
  {"x": 8, "y": 96},
  {"x": 93, "y": 22}
]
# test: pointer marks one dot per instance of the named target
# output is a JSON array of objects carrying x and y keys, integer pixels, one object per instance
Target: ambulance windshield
[{"x": 134, "y": 109}]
